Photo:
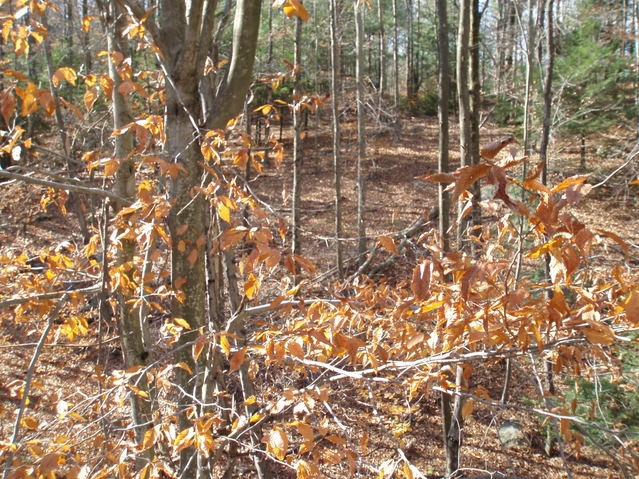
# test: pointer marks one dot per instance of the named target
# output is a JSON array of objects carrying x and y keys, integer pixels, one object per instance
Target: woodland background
[{"x": 327, "y": 238}]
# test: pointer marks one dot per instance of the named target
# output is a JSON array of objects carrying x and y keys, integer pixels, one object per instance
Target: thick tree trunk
[
  {"x": 186, "y": 221},
  {"x": 182, "y": 37}
]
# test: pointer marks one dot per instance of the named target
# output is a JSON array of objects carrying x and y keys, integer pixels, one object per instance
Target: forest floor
[{"x": 395, "y": 198}]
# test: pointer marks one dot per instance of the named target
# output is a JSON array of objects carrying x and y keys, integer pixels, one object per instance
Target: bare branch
[
  {"x": 63, "y": 186},
  {"x": 27, "y": 386},
  {"x": 52, "y": 295}
]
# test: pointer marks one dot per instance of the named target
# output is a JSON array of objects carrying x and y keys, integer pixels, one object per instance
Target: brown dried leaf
[
  {"x": 388, "y": 244},
  {"x": 237, "y": 360}
]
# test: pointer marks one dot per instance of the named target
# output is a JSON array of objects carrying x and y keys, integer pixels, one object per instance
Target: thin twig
[{"x": 27, "y": 386}]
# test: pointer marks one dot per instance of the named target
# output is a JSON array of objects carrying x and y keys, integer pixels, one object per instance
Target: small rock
[{"x": 511, "y": 434}]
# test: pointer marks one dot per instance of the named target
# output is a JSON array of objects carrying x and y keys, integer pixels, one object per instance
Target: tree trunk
[
  {"x": 133, "y": 329},
  {"x": 183, "y": 35},
  {"x": 500, "y": 37},
  {"x": 297, "y": 139},
  {"x": 382, "y": 51},
  {"x": 69, "y": 30},
  {"x": 463, "y": 99},
  {"x": 335, "y": 90},
  {"x": 547, "y": 118},
  {"x": 395, "y": 57},
  {"x": 543, "y": 155},
  {"x": 75, "y": 201},
  {"x": 530, "y": 54},
  {"x": 475, "y": 105},
  {"x": 635, "y": 19},
  {"x": 88, "y": 59},
  {"x": 410, "y": 93},
  {"x": 443, "y": 74},
  {"x": 361, "y": 132}
]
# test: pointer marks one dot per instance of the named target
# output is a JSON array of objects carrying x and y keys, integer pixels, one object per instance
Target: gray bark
[
  {"x": 463, "y": 98},
  {"x": 410, "y": 93},
  {"x": 133, "y": 329},
  {"x": 335, "y": 91},
  {"x": 395, "y": 57},
  {"x": 69, "y": 30},
  {"x": 475, "y": 104},
  {"x": 297, "y": 139},
  {"x": 543, "y": 156},
  {"x": 530, "y": 57},
  {"x": 443, "y": 74},
  {"x": 182, "y": 36},
  {"x": 361, "y": 131},
  {"x": 382, "y": 51},
  {"x": 88, "y": 60}
]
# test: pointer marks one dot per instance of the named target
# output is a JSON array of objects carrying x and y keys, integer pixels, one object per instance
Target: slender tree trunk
[
  {"x": 417, "y": 52},
  {"x": 269, "y": 68},
  {"x": 541, "y": 19},
  {"x": 453, "y": 437},
  {"x": 475, "y": 104},
  {"x": 395, "y": 57},
  {"x": 635, "y": 19},
  {"x": 88, "y": 59},
  {"x": 33, "y": 69},
  {"x": 543, "y": 155},
  {"x": 530, "y": 54},
  {"x": 463, "y": 99},
  {"x": 511, "y": 44},
  {"x": 269, "y": 61},
  {"x": 530, "y": 57},
  {"x": 361, "y": 131},
  {"x": 451, "y": 441},
  {"x": 382, "y": 51},
  {"x": 297, "y": 138},
  {"x": 136, "y": 348},
  {"x": 410, "y": 93},
  {"x": 547, "y": 116},
  {"x": 316, "y": 40},
  {"x": 69, "y": 30},
  {"x": 443, "y": 75},
  {"x": 75, "y": 201},
  {"x": 500, "y": 37},
  {"x": 335, "y": 89}
]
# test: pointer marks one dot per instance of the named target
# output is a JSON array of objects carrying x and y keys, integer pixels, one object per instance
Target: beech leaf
[
  {"x": 388, "y": 244},
  {"x": 237, "y": 360}
]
